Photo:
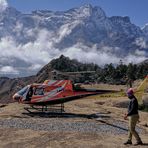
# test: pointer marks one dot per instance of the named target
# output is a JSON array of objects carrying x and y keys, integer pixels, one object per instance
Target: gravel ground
[{"x": 58, "y": 125}]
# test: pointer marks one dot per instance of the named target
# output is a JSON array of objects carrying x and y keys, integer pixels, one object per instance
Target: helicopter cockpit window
[
  {"x": 23, "y": 90},
  {"x": 39, "y": 91},
  {"x": 60, "y": 88}
]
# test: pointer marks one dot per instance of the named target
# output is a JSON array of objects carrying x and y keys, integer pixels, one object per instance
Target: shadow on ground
[
  {"x": 145, "y": 144},
  {"x": 64, "y": 115}
]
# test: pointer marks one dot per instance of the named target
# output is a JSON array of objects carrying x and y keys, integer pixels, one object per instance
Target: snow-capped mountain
[
  {"x": 145, "y": 30},
  {"x": 28, "y": 41}
]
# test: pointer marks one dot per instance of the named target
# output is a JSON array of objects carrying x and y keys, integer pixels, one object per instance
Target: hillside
[
  {"x": 106, "y": 74},
  {"x": 9, "y": 86}
]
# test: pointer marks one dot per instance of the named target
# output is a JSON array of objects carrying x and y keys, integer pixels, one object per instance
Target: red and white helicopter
[{"x": 52, "y": 92}]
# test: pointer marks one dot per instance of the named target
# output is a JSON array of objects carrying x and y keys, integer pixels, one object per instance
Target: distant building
[{"x": 80, "y": 76}]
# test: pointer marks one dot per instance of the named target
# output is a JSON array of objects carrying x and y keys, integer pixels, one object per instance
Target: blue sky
[{"x": 137, "y": 10}]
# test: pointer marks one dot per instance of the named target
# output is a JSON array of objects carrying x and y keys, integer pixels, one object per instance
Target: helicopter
[{"x": 52, "y": 92}]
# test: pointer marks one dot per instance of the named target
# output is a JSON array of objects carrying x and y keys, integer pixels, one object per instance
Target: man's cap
[{"x": 130, "y": 91}]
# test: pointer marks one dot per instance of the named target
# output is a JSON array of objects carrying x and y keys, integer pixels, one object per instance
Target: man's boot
[
  {"x": 128, "y": 142},
  {"x": 139, "y": 143}
]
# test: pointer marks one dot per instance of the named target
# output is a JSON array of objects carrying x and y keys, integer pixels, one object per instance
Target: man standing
[{"x": 133, "y": 118}]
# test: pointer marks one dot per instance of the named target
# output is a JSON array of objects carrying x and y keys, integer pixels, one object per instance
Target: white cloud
[
  {"x": 34, "y": 52},
  {"x": 42, "y": 50},
  {"x": 37, "y": 53},
  {"x": 141, "y": 42},
  {"x": 91, "y": 56},
  {"x": 35, "y": 67},
  {"x": 3, "y": 5},
  {"x": 140, "y": 52},
  {"x": 8, "y": 70},
  {"x": 100, "y": 57},
  {"x": 18, "y": 28},
  {"x": 134, "y": 59},
  {"x": 65, "y": 30}
]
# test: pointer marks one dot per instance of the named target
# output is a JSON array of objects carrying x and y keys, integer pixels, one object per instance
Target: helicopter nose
[{"x": 16, "y": 97}]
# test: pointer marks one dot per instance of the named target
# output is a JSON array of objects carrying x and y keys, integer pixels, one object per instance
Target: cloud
[
  {"x": 141, "y": 42},
  {"x": 33, "y": 52},
  {"x": 66, "y": 29},
  {"x": 37, "y": 53},
  {"x": 3, "y": 5},
  {"x": 134, "y": 59},
  {"x": 90, "y": 55},
  {"x": 9, "y": 70},
  {"x": 140, "y": 53},
  {"x": 35, "y": 67},
  {"x": 41, "y": 51},
  {"x": 99, "y": 56},
  {"x": 18, "y": 28}
]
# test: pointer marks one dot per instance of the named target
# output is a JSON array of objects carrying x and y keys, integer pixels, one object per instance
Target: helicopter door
[{"x": 29, "y": 94}]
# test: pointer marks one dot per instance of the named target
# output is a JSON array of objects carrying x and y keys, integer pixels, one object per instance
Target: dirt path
[{"x": 90, "y": 123}]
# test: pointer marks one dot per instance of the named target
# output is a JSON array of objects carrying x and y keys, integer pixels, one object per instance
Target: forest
[{"x": 109, "y": 73}]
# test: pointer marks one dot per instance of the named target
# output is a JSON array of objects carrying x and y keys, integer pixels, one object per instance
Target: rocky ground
[{"x": 91, "y": 122}]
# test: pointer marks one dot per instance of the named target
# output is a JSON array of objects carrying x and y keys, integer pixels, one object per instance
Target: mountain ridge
[{"x": 38, "y": 37}]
